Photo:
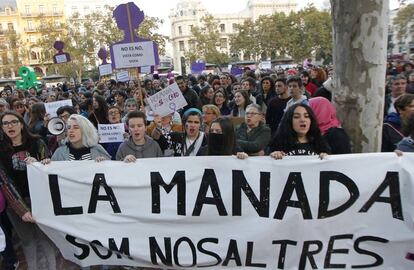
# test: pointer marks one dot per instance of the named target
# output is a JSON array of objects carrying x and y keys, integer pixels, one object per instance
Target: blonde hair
[
  {"x": 213, "y": 108},
  {"x": 90, "y": 136}
]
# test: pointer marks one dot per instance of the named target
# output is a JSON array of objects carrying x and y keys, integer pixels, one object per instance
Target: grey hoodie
[{"x": 149, "y": 150}]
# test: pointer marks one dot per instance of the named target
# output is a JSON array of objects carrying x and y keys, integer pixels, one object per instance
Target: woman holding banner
[
  {"x": 298, "y": 134},
  {"x": 20, "y": 147},
  {"x": 82, "y": 142}
]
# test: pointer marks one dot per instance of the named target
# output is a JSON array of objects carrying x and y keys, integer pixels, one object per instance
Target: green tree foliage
[
  {"x": 298, "y": 35},
  {"x": 403, "y": 18},
  {"x": 12, "y": 52},
  {"x": 84, "y": 36},
  {"x": 206, "y": 43}
]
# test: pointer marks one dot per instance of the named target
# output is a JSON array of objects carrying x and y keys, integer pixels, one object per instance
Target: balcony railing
[
  {"x": 30, "y": 29},
  {"x": 46, "y": 14}
]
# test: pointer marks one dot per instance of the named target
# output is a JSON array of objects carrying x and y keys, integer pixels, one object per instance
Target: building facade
[
  {"x": 188, "y": 14},
  {"x": 403, "y": 48}
]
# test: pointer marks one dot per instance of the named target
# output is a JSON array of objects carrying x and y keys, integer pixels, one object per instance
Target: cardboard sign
[
  {"x": 266, "y": 65},
  {"x": 146, "y": 69},
  {"x": 111, "y": 133},
  {"x": 105, "y": 69},
  {"x": 198, "y": 67},
  {"x": 137, "y": 54},
  {"x": 122, "y": 76},
  {"x": 132, "y": 51},
  {"x": 52, "y": 107},
  {"x": 167, "y": 101}
]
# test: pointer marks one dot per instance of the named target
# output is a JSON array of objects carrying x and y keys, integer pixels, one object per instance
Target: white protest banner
[
  {"x": 122, "y": 76},
  {"x": 349, "y": 211},
  {"x": 51, "y": 107},
  {"x": 105, "y": 70},
  {"x": 111, "y": 133},
  {"x": 167, "y": 101},
  {"x": 135, "y": 54}
]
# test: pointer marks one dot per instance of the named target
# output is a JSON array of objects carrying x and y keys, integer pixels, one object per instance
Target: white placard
[
  {"x": 224, "y": 213},
  {"x": 111, "y": 133},
  {"x": 105, "y": 69},
  {"x": 136, "y": 54},
  {"x": 51, "y": 107},
  {"x": 61, "y": 58},
  {"x": 122, "y": 76},
  {"x": 167, "y": 101},
  {"x": 266, "y": 65},
  {"x": 146, "y": 70}
]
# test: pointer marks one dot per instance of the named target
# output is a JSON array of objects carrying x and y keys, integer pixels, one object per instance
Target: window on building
[
  {"x": 41, "y": 9},
  {"x": 235, "y": 27},
  {"x": 33, "y": 55},
  {"x": 181, "y": 45},
  {"x": 190, "y": 27},
  {"x": 8, "y": 11},
  {"x": 194, "y": 12},
  {"x": 181, "y": 13},
  {"x": 10, "y": 26},
  {"x": 223, "y": 43},
  {"x": 32, "y": 39},
  {"x": 74, "y": 9},
  {"x": 222, "y": 28},
  {"x": 86, "y": 9},
  {"x": 55, "y": 9},
  {"x": 27, "y": 9},
  {"x": 191, "y": 44},
  {"x": 57, "y": 24},
  {"x": 30, "y": 25},
  {"x": 180, "y": 30},
  {"x": 98, "y": 7}
]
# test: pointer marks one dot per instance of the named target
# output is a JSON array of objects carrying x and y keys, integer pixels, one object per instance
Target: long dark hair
[
  {"x": 287, "y": 136},
  {"x": 37, "y": 113},
  {"x": 247, "y": 101},
  {"x": 101, "y": 114},
  {"x": 272, "y": 83},
  {"x": 28, "y": 138},
  {"x": 408, "y": 126},
  {"x": 229, "y": 138}
]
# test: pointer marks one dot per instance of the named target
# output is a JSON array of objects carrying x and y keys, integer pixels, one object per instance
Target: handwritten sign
[
  {"x": 111, "y": 133},
  {"x": 266, "y": 65},
  {"x": 132, "y": 51},
  {"x": 136, "y": 54},
  {"x": 52, "y": 107},
  {"x": 167, "y": 100},
  {"x": 105, "y": 69},
  {"x": 122, "y": 76}
]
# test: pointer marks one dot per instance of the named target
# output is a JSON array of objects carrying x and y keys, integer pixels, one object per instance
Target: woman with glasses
[
  {"x": 220, "y": 100},
  {"x": 253, "y": 135},
  {"x": 210, "y": 112},
  {"x": 161, "y": 130},
  {"x": 20, "y": 147},
  {"x": 114, "y": 117}
]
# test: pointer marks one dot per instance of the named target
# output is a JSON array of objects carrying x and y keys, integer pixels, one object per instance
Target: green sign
[{"x": 29, "y": 79}]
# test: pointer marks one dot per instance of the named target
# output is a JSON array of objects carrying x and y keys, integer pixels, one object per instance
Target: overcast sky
[{"x": 161, "y": 8}]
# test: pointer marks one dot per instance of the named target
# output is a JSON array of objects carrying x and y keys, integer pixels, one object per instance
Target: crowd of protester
[{"x": 282, "y": 113}]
